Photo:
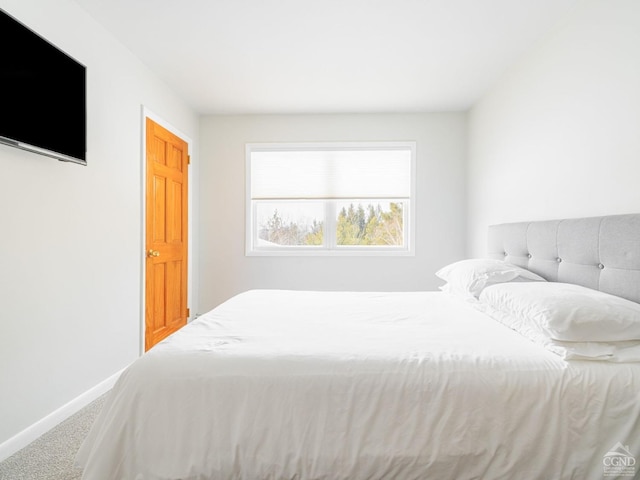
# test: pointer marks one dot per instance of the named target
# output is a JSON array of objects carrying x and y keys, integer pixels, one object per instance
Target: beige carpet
[{"x": 51, "y": 457}]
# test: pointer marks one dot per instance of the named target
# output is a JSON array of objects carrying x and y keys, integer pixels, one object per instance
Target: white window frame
[{"x": 330, "y": 249}]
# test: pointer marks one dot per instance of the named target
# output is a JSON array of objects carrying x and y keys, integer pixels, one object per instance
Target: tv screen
[{"x": 42, "y": 95}]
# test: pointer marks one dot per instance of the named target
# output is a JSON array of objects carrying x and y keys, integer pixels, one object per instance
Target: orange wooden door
[{"x": 166, "y": 234}]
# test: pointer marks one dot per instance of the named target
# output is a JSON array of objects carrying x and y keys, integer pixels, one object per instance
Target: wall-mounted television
[{"x": 42, "y": 95}]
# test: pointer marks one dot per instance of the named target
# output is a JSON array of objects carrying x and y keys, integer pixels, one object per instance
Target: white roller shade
[{"x": 304, "y": 174}]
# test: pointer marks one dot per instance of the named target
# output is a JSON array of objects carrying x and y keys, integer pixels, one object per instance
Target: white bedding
[{"x": 327, "y": 385}]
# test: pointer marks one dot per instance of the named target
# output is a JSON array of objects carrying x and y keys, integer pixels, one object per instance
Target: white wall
[
  {"x": 70, "y": 248},
  {"x": 440, "y": 209},
  {"x": 559, "y": 136}
]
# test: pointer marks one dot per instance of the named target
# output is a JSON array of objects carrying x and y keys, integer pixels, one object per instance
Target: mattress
[{"x": 276, "y": 384}]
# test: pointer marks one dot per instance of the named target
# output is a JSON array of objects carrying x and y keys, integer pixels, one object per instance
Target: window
[{"x": 330, "y": 199}]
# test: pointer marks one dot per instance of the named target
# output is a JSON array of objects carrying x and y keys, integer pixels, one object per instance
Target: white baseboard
[{"x": 31, "y": 433}]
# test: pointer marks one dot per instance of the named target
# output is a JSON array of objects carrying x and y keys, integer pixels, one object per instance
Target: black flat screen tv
[{"x": 42, "y": 95}]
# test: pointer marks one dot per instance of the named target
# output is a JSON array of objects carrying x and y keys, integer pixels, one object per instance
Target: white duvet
[{"x": 327, "y": 385}]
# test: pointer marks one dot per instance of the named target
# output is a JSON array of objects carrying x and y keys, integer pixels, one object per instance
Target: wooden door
[{"x": 166, "y": 234}]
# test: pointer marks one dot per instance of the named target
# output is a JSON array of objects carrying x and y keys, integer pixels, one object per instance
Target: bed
[{"x": 278, "y": 384}]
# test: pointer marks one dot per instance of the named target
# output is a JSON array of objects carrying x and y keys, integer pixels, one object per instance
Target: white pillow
[
  {"x": 628, "y": 351},
  {"x": 565, "y": 312},
  {"x": 469, "y": 277}
]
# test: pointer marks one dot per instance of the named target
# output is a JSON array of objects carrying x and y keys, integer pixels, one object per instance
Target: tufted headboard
[{"x": 602, "y": 253}]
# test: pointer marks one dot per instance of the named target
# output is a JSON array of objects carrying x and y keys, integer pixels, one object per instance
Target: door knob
[{"x": 153, "y": 253}]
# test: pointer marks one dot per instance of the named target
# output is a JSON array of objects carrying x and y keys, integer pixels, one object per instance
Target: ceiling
[{"x": 329, "y": 56}]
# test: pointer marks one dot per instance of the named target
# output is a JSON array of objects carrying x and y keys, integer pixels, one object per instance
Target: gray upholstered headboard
[{"x": 602, "y": 253}]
